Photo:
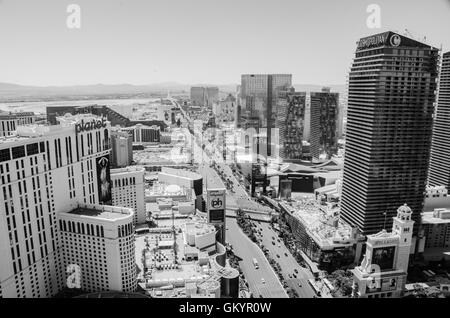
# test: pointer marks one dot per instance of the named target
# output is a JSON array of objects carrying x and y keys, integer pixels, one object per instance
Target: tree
[
  {"x": 428, "y": 292},
  {"x": 343, "y": 283}
]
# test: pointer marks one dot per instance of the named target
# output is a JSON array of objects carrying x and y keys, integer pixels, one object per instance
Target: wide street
[
  {"x": 280, "y": 253},
  {"x": 244, "y": 248},
  {"x": 263, "y": 282}
]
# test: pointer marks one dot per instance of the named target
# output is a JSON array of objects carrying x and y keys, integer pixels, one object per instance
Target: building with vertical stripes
[
  {"x": 128, "y": 191},
  {"x": 46, "y": 171},
  {"x": 10, "y": 121},
  {"x": 324, "y": 119},
  {"x": 143, "y": 133},
  {"x": 290, "y": 121},
  {"x": 391, "y": 97},
  {"x": 100, "y": 240},
  {"x": 121, "y": 148},
  {"x": 439, "y": 173}
]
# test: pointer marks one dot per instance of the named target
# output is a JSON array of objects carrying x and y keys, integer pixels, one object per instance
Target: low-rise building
[{"x": 323, "y": 236}]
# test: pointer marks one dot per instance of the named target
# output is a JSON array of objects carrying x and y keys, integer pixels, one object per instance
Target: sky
[{"x": 199, "y": 41}]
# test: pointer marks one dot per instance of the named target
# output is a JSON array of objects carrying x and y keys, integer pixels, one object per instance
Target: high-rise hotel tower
[
  {"x": 439, "y": 174},
  {"x": 392, "y": 86},
  {"x": 52, "y": 182}
]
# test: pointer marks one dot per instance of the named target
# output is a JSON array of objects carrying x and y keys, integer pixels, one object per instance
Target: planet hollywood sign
[{"x": 88, "y": 126}]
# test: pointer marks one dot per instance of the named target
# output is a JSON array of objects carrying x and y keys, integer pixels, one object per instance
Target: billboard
[
  {"x": 217, "y": 216},
  {"x": 384, "y": 257},
  {"x": 285, "y": 189},
  {"x": 216, "y": 206},
  {"x": 373, "y": 285},
  {"x": 216, "y": 200},
  {"x": 388, "y": 284},
  {"x": 103, "y": 180}
]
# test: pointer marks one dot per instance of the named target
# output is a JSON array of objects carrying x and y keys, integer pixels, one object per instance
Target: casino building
[
  {"x": 382, "y": 273},
  {"x": 46, "y": 171},
  {"x": 392, "y": 86}
]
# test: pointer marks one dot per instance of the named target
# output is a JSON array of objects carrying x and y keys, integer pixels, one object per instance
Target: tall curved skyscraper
[
  {"x": 439, "y": 174},
  {"x": 392, "y": 87}
]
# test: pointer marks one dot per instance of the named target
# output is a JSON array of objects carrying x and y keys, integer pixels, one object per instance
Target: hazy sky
[{"x": 198, "y": 41}]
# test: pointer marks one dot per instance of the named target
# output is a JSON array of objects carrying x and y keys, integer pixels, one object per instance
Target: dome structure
[{"x": 404, "y": 212}]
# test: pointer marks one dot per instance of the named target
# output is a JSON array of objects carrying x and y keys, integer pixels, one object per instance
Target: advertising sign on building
[
  {"x": 216, "y": 206},
  {"x": 103, "y": 180}
]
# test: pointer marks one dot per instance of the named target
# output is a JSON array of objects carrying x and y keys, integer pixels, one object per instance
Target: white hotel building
[
  {"x": 46, "y": 171},
  {"x": 128, "y": 191},
  {"x": 100, "y": 239}
]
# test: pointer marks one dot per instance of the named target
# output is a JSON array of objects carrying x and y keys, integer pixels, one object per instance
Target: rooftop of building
[
  {"x": 181, "y": 173},
  {"x": 70, "y": 120},
  {"x": 162, "y": 155},
  {"x": 27, "y": 132},
  {"x": 12, "y": 115},
  {"x": 438, "y": 216},
  {"x": 105, "y": 212},
  {"x": 127, "y": 170},
  {"x": 321, "y": 222},
  {"x": 196, "y": 227},
  {"x": 436, "y": 198},
  {"x": 143, "y": 126},
  {"x": 162, "y": 189}
]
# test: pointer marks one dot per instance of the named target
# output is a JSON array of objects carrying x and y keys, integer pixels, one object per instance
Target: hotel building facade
[
  {"x": 439, "y": 174},
  {"x": 391, "y": 98},
  {"x": 324, "y": 119},
  {"x": 46, "y": 171},
  {"x": 128, "y": 191}
]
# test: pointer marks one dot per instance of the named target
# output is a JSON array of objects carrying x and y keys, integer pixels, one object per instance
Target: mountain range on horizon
[{"x": 10, "y": 92}]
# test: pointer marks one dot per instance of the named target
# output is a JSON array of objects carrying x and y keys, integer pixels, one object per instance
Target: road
[
  {"x": 247, "y": 250},
  {"x": 286, "y": 260},
  {"x": 243, "y": 247}
]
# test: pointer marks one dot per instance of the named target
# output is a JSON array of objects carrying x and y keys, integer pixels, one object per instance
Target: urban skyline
[{"x": 263, "y": 190}]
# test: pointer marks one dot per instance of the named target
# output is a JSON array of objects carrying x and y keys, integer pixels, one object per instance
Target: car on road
[
  {"x": 296, "y": 271},
  {"x": 263, "y": 280},
  {"x": 279, "y": 245},
  {"x": 295, "y": 276},
  {"x": 273, "y": 243},
  {"x": 278, "y": 256},
  {"x": 299, "y": 284},
  {"x": 285, "y": 254}
]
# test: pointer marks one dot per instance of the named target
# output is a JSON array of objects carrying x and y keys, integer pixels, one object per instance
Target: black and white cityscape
[{"x": 197, "y": 149}]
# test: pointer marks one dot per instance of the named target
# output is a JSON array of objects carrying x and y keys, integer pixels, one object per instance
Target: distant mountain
[{"x": 14, "y": 92}]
